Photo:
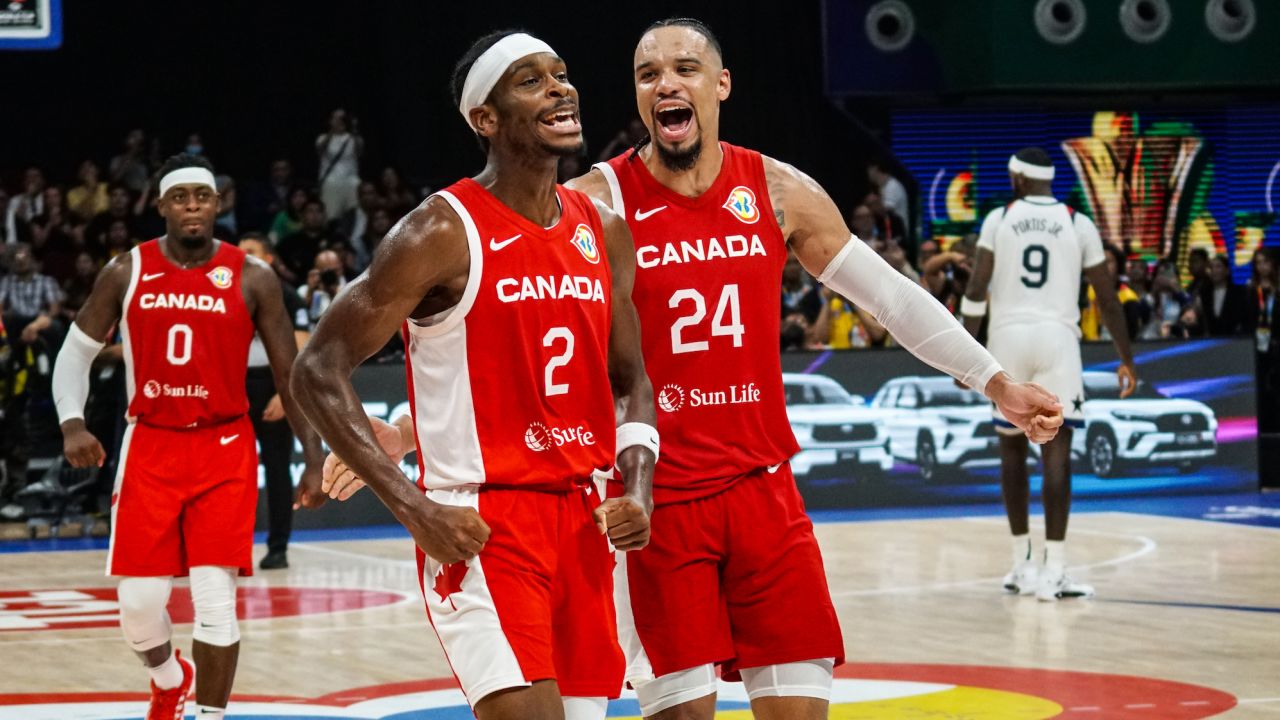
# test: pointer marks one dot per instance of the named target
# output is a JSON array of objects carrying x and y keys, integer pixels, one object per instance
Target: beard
[
  {"x": 679, "y": 160},
  {"x": 192, "y": 242}
]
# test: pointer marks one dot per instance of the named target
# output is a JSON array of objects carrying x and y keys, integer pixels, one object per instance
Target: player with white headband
[
  {"x": 1030, "y": 256},
  {"x": 514, "y": 295},
  {"x": 186, "y": 486}
]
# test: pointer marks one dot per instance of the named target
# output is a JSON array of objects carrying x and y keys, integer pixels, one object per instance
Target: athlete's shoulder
[
  {"x": 781, "y": 175},
  {"x": 593, "y": 184}
]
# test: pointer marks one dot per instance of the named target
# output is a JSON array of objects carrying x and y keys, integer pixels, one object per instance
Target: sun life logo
[
  {"x": 537, "y": 437},
  {"x": 151, "y": 389},
  {"x": 742, "y": 203},
  {"x": 671, "y": 397},
  {"x": 221, "y": 277},
  {"x": 585, "y": 241}
]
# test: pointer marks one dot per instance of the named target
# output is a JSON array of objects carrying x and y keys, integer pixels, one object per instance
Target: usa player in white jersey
[{"x": 1030, "y": 256}]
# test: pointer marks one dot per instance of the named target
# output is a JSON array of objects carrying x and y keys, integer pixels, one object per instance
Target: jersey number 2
[
  {"x": 557, "y": 333},
  {"x": 1035, "y": 260}
]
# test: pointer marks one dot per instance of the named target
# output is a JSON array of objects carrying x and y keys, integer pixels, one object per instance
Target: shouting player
[
  {"x": 1030, "y": 254},
  {"x": 186, "y": 487},
  {"x": 733, "y": 575},
  {"x": 514, "y": 295}
]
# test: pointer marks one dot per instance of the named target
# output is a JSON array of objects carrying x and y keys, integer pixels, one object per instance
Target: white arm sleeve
[
  {"x": 917, "y": 321},
  {"x": 71, "y": 374}
]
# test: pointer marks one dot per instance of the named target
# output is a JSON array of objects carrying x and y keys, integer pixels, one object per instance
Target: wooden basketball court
[{"x": 1186, "y": 625}]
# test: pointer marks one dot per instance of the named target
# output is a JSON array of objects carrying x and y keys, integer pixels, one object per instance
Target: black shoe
[{"x": 274, "y": 560}]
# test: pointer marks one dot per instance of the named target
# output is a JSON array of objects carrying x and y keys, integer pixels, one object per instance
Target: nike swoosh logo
[
  {"x": 773, "y": 468},
  {"x": 495, "y": 245},
  {"x": 642, "y": 215},
  {"x": 151, "y": 276},
  {"x": 227, "y": 440}
]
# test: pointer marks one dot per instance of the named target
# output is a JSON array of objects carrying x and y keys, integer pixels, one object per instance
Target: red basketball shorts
[
  {"x": 184, "y": 498},
  {"x": 735, "y": 579},
  {"x": 535, "y": 604}
]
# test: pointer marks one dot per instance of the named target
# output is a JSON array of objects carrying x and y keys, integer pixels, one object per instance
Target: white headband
[
  {"x": 490, "y": 66},
  {"x": 1035, "y": 172},
  {"x": 187, "y": 176}
]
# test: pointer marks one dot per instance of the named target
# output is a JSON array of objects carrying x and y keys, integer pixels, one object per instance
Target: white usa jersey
[{"x": 1040, "y": 247}]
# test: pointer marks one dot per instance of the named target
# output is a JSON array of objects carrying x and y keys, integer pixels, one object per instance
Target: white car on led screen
[
  {"x": 1146, "y": 427},
  {"x": 936, "y": 425},
  {"x": 833, "y": 427}
]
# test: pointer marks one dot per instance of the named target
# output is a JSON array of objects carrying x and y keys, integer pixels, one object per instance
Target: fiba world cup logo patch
[
  {"x": 742, "y": 203},
  {"x": 671, "y": 397},
  {"x": 220, "y": 277},
  {"x": 585, "y": 241},
  {"x": 537, "y": 437}
]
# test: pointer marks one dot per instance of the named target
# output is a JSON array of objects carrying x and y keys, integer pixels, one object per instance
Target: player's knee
[
  {"x": 808, "y": 678},
  {"x": 213, "y": 593},
  {"x": 668, "y": 691},
  {"x": 585, "y": 708},
  {"x": 143, "y": 618}
]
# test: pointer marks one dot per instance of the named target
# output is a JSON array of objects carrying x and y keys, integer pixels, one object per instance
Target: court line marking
[
  {"x": 1148, "y": 546},
  {"x": 244, "y": 631},
  {"x": 408, "y": 564},
  {"x": 1219, "y": 523}
]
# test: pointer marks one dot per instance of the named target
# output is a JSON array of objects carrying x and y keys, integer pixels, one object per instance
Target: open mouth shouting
[
  {"x": 673, "y": 120},
  {"x": 563, "y": 121}
]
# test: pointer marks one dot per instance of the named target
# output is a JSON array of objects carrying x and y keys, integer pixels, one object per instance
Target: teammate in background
[
  {"x": 186, "y": 487},
  {"x": 733, "y": 575},
  {"x": 514, "y": 295},
  {"x": 1030, "y": 255}
]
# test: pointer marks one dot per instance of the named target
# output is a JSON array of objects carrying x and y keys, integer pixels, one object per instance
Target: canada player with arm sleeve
[
  {"x": 733, "y": 576},
  {"x": 186, "y": 486}
]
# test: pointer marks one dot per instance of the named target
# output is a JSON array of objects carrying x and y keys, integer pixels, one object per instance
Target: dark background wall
[{"x": 258, "y": 79}]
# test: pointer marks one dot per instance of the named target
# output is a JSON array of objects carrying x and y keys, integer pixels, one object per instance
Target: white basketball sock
[
  {"x": 1055, "y": 553},
  {"x": 168, "y": 674},
  {"x": 1021, "y": 548},
  {"x": 204, "y": 712}
]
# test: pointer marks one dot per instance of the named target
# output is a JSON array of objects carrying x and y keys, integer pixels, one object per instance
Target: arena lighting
[
  {"x": 1230, "y": 20},
  {"x": 890, "y": 25},
  {"x": 1060, "y": 21},
  {"x": 1145, "y": 21}
]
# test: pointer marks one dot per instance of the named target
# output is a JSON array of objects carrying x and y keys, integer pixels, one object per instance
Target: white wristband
[
  {"x": 973, "y": 308},
  {"x": 638, "y": 433}
]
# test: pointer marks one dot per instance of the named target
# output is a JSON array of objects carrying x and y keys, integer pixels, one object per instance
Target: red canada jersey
[
  {"x": 708, "y": 279},
  {"x": 510, "y": 387},
  {"x": 186, "y": 338}
]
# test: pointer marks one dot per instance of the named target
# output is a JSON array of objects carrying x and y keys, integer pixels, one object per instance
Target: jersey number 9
[{"x": 1035, "y": 261}]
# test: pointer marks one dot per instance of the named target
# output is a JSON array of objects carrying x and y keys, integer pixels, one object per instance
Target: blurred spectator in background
[
  {"x": 863, "y": 223},
  {"x": 1223, "y": 305},
  {"x": 893, "y": 254},
  {"x": 129, "y": 168},
  {"x": 379, "y": 224},
  {"x": 1139, "y": 275},
  {"x": 945, "y": 274},
  {"x": 1091, "y": 327},
  {"x": 55, "y": 238},
  {"x": 324, "y": 280},
  {"x": 890, "y": 190},
  {"x": 354, "y": 224},
  {"x": 261, "y": 199},
  {"x": 1166, "y": 301},
  {"x": 289, "y": 220},
  {"x": 889, "y": 227},
  {"x": 24, "y": 207},
  {"x": 15, "y": 367},
  {"x": 339, "y": 149},
  {"x": 194, "y": 144},
  {"x": 89, "y": 197},
  {"x": 397, "y": 197},
  {"x": 627, "y": 137},
  {"x": 801, "y": 304},
  {"x": 119, "y": 202},
  {"x": 1262, "y": 320},
  {"x": 296, "y": 253},
  {"x": 275, "y": 438},
  {"x": 225, "y": 224},
  {"x": 1197, "y": 270},
  {"x": 29, "y": 301},
  {"x": 842, "y": 325},
  {"x": 119, "y": 239},
  {"x": 75, "y": 290}
]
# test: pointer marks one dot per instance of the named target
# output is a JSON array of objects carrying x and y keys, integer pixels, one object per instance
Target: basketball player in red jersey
[
  {"x": 187, "y": 483},
  {"x": 514, "y": 298},
  {"x": 733, "y": 575}
]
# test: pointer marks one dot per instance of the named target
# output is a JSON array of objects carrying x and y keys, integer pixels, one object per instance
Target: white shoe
[
  {"x": 1021, "y": 580},
  {"x": 1055, "y": 585}
]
